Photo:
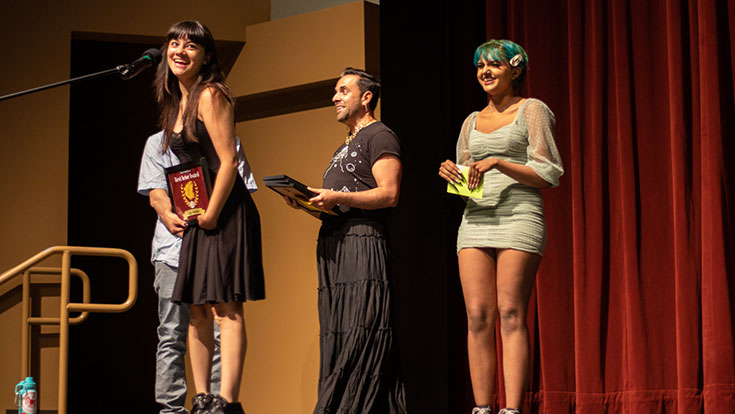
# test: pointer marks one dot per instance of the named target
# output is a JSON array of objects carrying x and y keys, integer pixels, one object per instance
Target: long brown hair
[{"x": 167, "y": 88}]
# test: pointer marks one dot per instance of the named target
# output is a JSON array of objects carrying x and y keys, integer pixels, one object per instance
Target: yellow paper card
[{"x": 462, "y": 189}]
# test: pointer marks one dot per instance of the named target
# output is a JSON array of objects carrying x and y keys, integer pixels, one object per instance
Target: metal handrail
[
  {"x": 26, "y": 268},
  {"x": 86, "y": 294},
  {"x": 31, "y": 320}
]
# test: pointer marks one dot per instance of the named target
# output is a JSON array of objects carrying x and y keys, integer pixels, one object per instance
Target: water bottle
[{"x": 25, "y": 396}]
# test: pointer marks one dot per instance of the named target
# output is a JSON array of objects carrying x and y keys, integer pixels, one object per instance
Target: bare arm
[
  {"x": 448, "y": 170},
  {"x": 218, "y": 117},
  {"x": 387, "y": 172},
  {"x": 162, "y": 204}
]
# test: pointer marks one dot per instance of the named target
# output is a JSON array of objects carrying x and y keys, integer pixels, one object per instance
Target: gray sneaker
[
  {"x": 483, "y": 410},
  {"x": 509, "y": 411}
]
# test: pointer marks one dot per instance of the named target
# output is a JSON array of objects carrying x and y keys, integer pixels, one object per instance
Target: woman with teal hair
[{"x": 507, "y": 148}]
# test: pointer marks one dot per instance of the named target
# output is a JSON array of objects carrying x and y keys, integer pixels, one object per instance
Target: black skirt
[
  {"x": 224, "y": 264},
  {"x": 358, "y": 358}
]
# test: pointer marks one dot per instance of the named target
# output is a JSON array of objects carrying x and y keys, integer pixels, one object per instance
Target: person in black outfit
[
  {"x": 220, "y": 265},
  {"x": 358, "y": 374}
]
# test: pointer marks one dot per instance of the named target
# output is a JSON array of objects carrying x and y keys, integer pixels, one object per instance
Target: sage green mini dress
[{"x": 510, "y": 215}]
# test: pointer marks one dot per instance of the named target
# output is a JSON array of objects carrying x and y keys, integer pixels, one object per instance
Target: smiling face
[
  {"x": 496, "y": 77},
  {"x": 348, "y": 100},
  {"x": 185, "y": 59}
]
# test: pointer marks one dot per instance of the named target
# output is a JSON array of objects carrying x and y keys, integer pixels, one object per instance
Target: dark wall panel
[
  {"x": 112, "y": 356},
  {"x": 429, "y": 87}
]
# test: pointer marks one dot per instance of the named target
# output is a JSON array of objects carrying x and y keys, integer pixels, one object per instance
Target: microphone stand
[{"x": 118, "y": 69}]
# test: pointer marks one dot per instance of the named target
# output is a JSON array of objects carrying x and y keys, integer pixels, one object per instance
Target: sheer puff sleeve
[
  {"x": 543, "y": 157},
  {"x": 463, "y": 142}
]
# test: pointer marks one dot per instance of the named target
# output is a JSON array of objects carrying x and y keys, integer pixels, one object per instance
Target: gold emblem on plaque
[{"x": 190, "y": 193}]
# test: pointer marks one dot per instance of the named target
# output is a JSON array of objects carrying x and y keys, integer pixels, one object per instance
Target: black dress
[{"x": 224, "y": 264}]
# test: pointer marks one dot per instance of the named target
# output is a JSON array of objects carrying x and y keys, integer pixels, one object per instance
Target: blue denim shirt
[{"x": 165, "y": 246}]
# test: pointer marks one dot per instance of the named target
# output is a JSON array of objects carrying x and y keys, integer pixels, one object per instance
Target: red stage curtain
[{"x": 634, "y": 303}]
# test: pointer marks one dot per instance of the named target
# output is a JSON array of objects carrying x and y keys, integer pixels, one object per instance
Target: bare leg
[
  {"x": 516, "y": 276},
  {"x": 201, "y": 346},
  {"x": 477, "y": 273},
  {"x": 233, "y": 344}
]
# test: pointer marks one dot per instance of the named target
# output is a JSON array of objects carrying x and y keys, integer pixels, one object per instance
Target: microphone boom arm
[{"x": 118, "y": 69}]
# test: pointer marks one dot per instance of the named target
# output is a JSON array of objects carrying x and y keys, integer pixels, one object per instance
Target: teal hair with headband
[{"x": 504, "y": 51}]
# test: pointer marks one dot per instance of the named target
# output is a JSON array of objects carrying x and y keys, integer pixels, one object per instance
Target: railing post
[
  {"x": 25, "y": 328},
  {"x": 64, "y": 331}
]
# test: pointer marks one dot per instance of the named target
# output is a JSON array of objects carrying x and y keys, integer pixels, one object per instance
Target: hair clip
[{"x": 515, "y": 60}]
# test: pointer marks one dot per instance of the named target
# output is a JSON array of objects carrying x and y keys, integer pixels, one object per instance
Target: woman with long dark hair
[
  {"x": 510, "y": 143},
  {"x": 220, "y": 264}
]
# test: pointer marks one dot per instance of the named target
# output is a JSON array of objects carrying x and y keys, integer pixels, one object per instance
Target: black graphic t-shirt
[{"x": 351, "y": 167}]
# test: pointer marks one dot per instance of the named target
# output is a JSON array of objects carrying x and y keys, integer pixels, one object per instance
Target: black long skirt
[
  {"x": 224, "y": 264},
  {"x": 358, "y": 360}
]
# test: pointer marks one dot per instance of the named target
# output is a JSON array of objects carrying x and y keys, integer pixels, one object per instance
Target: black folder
[{"x": 287, "y": 186}]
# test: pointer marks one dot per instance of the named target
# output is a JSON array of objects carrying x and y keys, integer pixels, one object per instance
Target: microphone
[{"x": 148, "y": 58}]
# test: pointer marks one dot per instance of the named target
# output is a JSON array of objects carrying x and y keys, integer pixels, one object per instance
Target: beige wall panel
[
  {"x": 10, "y": 313},
  {"x": 48, "y": 391},
  {"x": 300, "y": 49},
  {"x": 36, "y": 219},
  {"x": 47, "y": 344},
  {"x": 34, "y": 129}
]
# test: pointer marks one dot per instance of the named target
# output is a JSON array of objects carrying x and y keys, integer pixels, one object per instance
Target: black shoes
[
  {"x": 221, "y": 406},
  {"x": 211, "y": 404},
  {"x": 200, "y": 403}
]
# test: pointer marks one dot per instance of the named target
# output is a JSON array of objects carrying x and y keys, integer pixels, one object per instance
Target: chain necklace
[{"x": 352, "y": 136}]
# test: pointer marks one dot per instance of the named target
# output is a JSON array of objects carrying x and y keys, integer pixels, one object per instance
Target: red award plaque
[{"x": 188, "y": 186}]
